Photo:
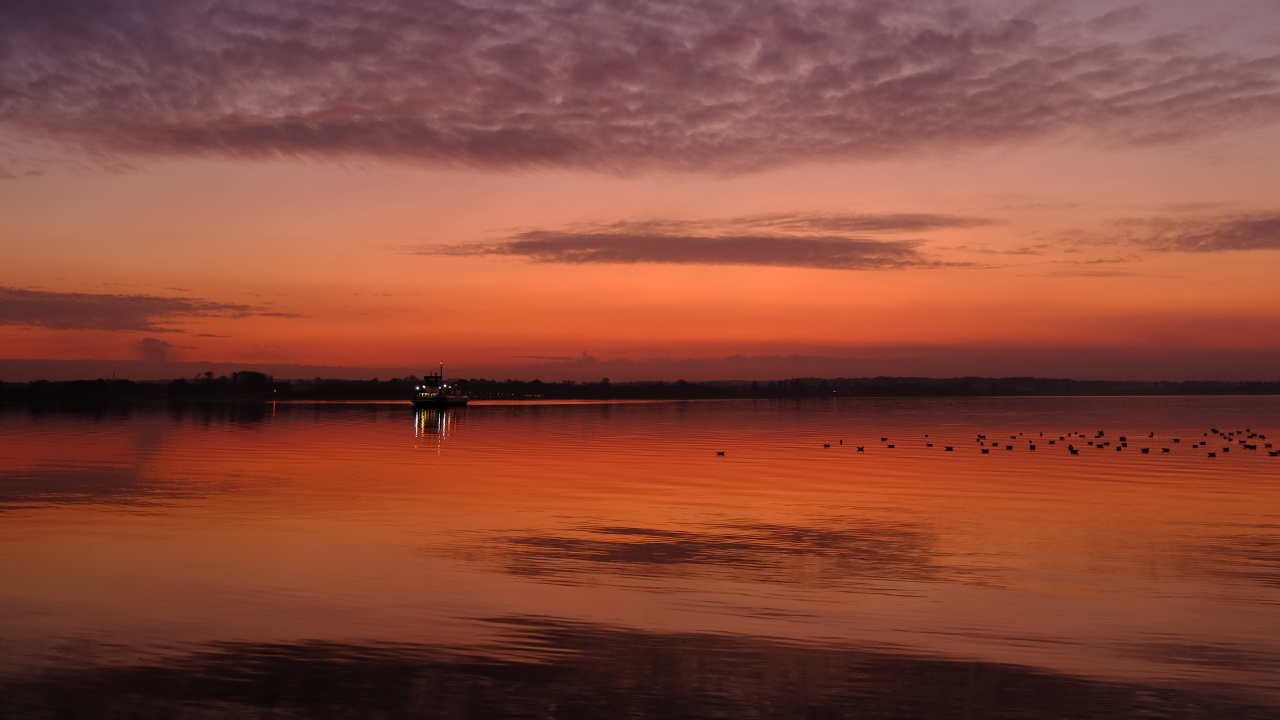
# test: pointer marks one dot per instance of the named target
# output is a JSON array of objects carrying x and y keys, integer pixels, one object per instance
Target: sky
[{"x": 572, "y": 189}]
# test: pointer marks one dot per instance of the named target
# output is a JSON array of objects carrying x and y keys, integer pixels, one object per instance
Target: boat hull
[{"x": 447, "y": 401}]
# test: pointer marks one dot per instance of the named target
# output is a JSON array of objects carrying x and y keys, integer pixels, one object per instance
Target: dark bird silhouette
[
  {"x": 1146, "y": 450},
  {"x": 1073, "y": 451},
  {"x": 883, "y": 439},
  {"x": 826, "y": 444},
  {"x": 841, "y": 442},
  {"x": 948, "y": 449},
  {"x": 1213, "y": 454},
  {"x": 985, "y": 451},
  {"x": 1033, "y": 447},
  {"x": 889, "y": 445},
  {"x": 1164, "y": 449},
  {"x": 860, "y": 448},
  {"x": 719, "y": 452}
]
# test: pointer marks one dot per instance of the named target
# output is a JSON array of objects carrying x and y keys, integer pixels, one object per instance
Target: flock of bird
[{"x": 1238, "y": 439}]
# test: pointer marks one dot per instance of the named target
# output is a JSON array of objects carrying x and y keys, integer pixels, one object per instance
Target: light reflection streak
[{"x": 438, "y": 423}]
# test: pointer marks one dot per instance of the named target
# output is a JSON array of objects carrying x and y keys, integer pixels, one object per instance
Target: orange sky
[{"x": 1138, "y": 213}]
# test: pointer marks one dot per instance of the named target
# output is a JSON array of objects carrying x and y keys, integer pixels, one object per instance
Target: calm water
[{"x": 602, "y": 560}]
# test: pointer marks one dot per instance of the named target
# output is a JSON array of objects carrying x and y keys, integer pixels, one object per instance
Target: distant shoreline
[{"x": 254, "y": 386}]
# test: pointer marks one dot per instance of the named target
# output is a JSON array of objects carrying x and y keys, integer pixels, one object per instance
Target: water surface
[{"x": 603, "y": 560}]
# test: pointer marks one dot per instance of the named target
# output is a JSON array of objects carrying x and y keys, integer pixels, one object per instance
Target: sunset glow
[{"x": 532, "y": 188}]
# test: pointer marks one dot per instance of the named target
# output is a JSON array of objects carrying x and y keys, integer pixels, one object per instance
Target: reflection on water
[
  {"x": 590, "y": 671},
  {"x": 434, "y": 422},
  {"x": 1253, "y": 556},
  {"x": 760, "y": 553},
  {"x": 603, "y": 560}
]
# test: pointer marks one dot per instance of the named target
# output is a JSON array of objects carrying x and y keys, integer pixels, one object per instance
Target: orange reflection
[{"x": 325, "y": 521}]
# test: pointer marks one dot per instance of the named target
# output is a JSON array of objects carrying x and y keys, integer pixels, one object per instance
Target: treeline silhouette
[
  {"x": 256, "y": 386},
  {"x": 851, "y": 387}
]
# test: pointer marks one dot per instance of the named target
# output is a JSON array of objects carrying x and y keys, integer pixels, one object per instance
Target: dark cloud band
[
  {"x": 88, "y": 311},
  {"x": 834, "y": 253},
  {"x": 808, "y": 223},
  {"x": 770, "y": 239},
  {"x": 1207, "y": 235},
  {"x": 722, "y": 85}
]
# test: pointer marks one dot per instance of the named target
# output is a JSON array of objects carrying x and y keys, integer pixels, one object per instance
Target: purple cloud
[
  {"x": 774, "y": 240},
  {"x": 154, "y": 349},
  {"x": 1118, "y": 18},
  {"x": 834, "y": 253},
  {"x": 89, "y": 311},
  {"x": 703, "y": 85},
  {"x": 1225, "y": 233}
]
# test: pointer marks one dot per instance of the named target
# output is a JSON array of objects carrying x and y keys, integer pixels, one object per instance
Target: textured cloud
[
  {"x": 1206, "y": 235},
  {"x": 154, "y": 349},
  {"x": 750, "y": 240},
  {"x": 778, "y": 251},
  {"x": 1120, "y": 17},
  {"x": 801, "y": 223},
  {"x": 721, "y": 85},
  {"x": 86, "y": 311}
]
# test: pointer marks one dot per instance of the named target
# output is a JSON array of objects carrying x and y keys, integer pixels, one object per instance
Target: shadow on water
[
  {"x": 75, "y": 484},
  {"x": 201, "y": 412},
  {"x": 96, "y": 453},
  {"x": 590, "y": 671},
  {"x": 1254, "y": 557},
  {"x": 759, "y": 553},
  {"x": 206, "y": 412}
]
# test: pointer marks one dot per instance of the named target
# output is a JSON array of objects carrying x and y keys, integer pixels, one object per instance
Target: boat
[{"x": 435, "y": 392}]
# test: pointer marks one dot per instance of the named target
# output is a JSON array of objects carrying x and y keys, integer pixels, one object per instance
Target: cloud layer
[
  {"x": 718, "y": 85},
  {"x": 89, "y": 311},
  {"x": 774, "y": 240},
  {"x": 836, "y": 253},
  {"x": 1226, "y": 233}
]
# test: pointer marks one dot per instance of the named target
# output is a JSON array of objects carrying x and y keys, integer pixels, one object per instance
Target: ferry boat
[{"x": 435, "y": 392}]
